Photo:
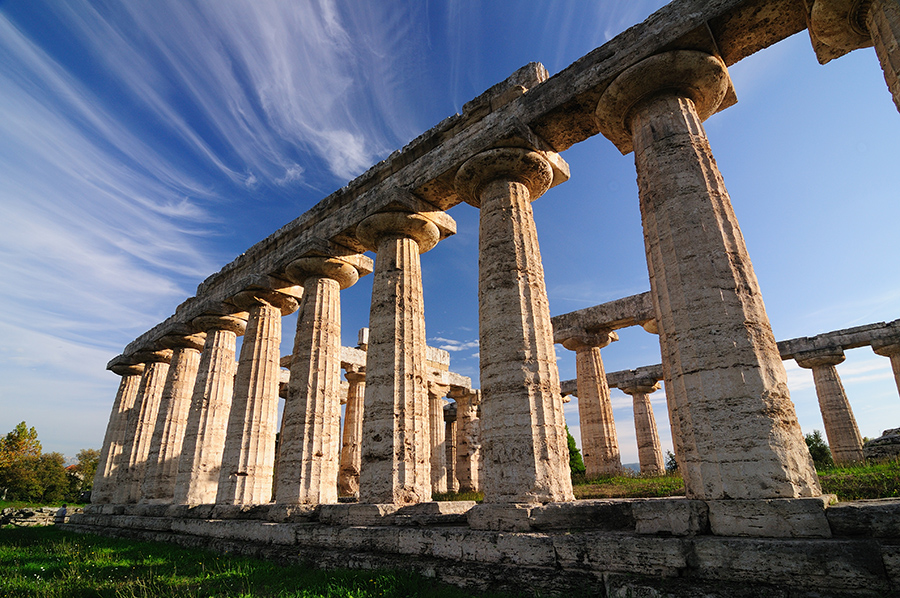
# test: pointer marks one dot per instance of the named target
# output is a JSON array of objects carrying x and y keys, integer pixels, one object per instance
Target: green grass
[
  {"x": 22, "y": 504},
  {"x": 48, "y": 562},
  {"x": 629, "y": 486},
  {"x": 871, "y": 480}
]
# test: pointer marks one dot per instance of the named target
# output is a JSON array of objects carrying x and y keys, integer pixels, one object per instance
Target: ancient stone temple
[{"x": 190, "y": 456}]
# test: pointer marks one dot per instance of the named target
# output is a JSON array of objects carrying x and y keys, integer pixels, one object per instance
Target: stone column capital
[
  {"x": 184, "y": 341},
  {"x": 820, "y": 357},
  {"x": 841, "y": 24},
  {"x": 887, "y": 347},
  {"x": 153, "y": 356},
  {"x": 643, "y": 386},
  {"x": 124, "y": 369},
  {"x": 521, "y": 165},
  {"x": 579, "y": 339},
  {"x": 696, "y": 75},
  {"x": 355, "y": 374},
  {"x": 322, "y": 267},
  {"x": 235, "y": 323},
  {"x": 286, "y": 302},
  {"x": 437, "y": 389},
  {"x": 384, "y": 225}
]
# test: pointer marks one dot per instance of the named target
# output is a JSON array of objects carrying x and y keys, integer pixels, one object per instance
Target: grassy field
[
  {"x": 880, "y": 480},
  {"x": 629, "y": 486},
  {"x": 47, "y": 562}
]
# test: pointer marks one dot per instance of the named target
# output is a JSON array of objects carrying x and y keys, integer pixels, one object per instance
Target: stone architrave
[
  {"x": 450, "y": 447},
  {"x": 526, "y": 455},
  {"x": 468, "y": 439},
  {"x": 310, "y": 430},
  {"x": 437, "y": 430},
  {"x": 599, "y": 443},
  {"x": 844, "y": 438},
  {"x": 396, "y": 453},
  {"x": 204, "y": 437},
  {"x": 650, "y": 452},
  {"x": 890, "y": 348},
  {"x": 105, "y": 480},
  {"x": 351, "y": 456},
  {"x": 738, "y": 433},
  {"x": 171, "y": 420},
  {"x": 139, "y": 428},
  {"x": 248, "y": 458},
  {"x": 850, "y": 24}
]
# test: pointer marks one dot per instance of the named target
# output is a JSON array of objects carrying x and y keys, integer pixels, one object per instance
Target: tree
[
  {"x": 819, "y": 450},
  {"x": 51, "y": 474},
  {"x": 671, "y": 462},
  {"x": 20, "y": 452},
  {"x": 576, "y": 463},
  {"x": 81, "y": 475}
]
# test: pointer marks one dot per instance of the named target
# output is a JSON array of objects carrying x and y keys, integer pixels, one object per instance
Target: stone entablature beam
[
  {"x": 848, "y": 338},
  {"x": 636, "y": 310}
]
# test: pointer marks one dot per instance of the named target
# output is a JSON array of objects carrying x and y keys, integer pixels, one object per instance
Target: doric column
[
  {"x": 450, "y": 446},
  {"x": 248, "y": 458},
  {"x": 845, "y": 25},
  {"x": 526, "y": 456},
  {"x": 436, "y": 402},
  {"x": 204, "y": 437},
  {"x": 348, "y": 474},
  {"x": 840, "y": 425},
  {"x": 310, "y": 430},
  {"x": 139, "y": 428},
  {"x": 105, "y": 480},
  {"x": 738, "y": 432},
  {"x": 468, "y": 439},
  {"x": 396, "y": 453},
  {"x": 890, "y": 348},
  {"x": 599, "y": 443},
  {"x": 171, "y": 420},
  {"x": 649, "y": 448}
]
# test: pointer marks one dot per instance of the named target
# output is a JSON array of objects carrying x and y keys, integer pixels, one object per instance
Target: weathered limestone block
[
  {"x": 776, "y": 518},
  {"x": 248, "y": 458},
  {"x": 523, "y": 429},
  {"x": 437, "y": 429},
  {"x": 171, "y": 420},
  {"x": 649, "y": 447},
  {"x": 141, "y": 421},
  {"x": 890, "y": 348},
  {"x": 107, "y": 467},
  {"x": 878, "y": 518},
  {"x": 310, "y": 427},
  {"x": 396, "y": 451},
  {"x": 670, "y": 516},
  {"x": 599, "y": 443},
  {"x": 204, "y": 437},
  {"x": 843, "y": 434},
  {"x": 729, "y": 404},
  {"x": 883, "y": 448},
  {"x": 468, "y": 438},
  {"x": 351, "y": 445}
]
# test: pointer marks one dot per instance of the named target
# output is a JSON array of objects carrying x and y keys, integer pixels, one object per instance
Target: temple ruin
[{"x": 190, "y": 454}]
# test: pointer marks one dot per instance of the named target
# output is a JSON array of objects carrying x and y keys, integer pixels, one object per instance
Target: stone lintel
[
  {"x": 621, "y": 313},
  {"x": 459, "y": 381},
  {"x": 438, "y": 358},
  {"x": 771, "y": 518},
  {"x": 848, "y": 338},
  {"x": 819, "y": 357}
]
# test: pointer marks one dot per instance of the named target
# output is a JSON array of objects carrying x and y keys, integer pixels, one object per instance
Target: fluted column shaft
[
  {"x": 139, "y": 430},
  {"x": 599, "y": 442},
  {"x": 204, "y": 438},
  {"x": 107, "y": 467},
  {"x": 248, "y": 458},
  {"x": 526, "y": 456},
  {"x": 649, "y": 447},
  {"x": 310, "y": 430},
  {"x": 731, "y": 410},
  {"x": 844, "y": 438},
  {"x": 450, "y": 458},
  {"x": 468, "y": 439},
  {"x": 351, "y": 456},
  {"x": 396, "y": 452},
  {"x": 436, "y": 394},
  {"x": 890, "y": 349},
  {"x": 883, "y": 23},
  {"x": 171, "y": 419}
]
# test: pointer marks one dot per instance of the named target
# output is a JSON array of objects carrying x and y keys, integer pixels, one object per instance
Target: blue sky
[{"x": 144, "y": 145}]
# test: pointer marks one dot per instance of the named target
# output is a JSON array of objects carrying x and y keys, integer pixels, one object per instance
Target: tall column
[
  {"x": 171, "y": 420},
  {"x": 450, "y": 446},
  {"x": 106, "y": 478},
  {"x": 436, "y": 402},
  {"x": 248, "y": 458},
  {"x": 310, "y": 429},
  {"x": 649, "y": 448},
  {"x": 738, "y": 432},
  {"x": 526, "y": 455},
  {"x": 599, "y": 443},
  {"x": 846, "y": 25},
  {"x": 840, "y": 425},
  {"x": 204, "y": 437},
  {"x": 468, "y": 439},
  {"x": 890, "y": 348},
  {"x": 351, "y": 456},
  {"x": 139, "y": 428},
  {"x": 396, "y": 453}
]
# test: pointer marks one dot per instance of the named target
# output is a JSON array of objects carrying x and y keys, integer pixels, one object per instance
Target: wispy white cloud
[{"x": 448, "y": 344}]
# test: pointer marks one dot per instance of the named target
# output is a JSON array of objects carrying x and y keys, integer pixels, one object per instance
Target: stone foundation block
[
  {"x": 890, "y": 556},
  {"x": 626, "y": 553},
  {"x": 610, "y": 515},
  {"x": 771, "y": 518},
  {"x": 671, "y": 517},
  {"x": 286, "y": 513},
  {"x": 528, "y": 550},
  {"x": 149, "y": 510},
  {"x": 879, "y": 518},
  {"x": 191, "y": 511},
  {"x": 512, "y": 517},
  {"x": 434, "y": 513},
  {"x": 357, "y": 514}
]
